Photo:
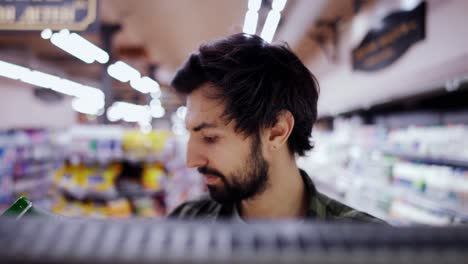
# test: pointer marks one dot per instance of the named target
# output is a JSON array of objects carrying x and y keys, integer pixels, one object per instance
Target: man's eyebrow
[{"x": 203, "y": 126}]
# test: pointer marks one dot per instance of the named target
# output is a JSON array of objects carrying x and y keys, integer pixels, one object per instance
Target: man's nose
[{"x": 195, "y": 156}]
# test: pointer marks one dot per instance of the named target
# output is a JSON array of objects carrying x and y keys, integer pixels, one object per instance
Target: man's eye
[{"x": 210, "y": 140}]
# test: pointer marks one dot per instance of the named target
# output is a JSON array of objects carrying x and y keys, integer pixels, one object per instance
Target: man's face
[{"x": 232, "y": 165}]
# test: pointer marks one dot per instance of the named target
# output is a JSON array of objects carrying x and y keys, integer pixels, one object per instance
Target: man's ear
[{"x": 279, "y": 133}]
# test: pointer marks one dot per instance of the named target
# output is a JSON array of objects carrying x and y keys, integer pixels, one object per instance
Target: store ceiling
[
  {"x": 164, "y": 32},
  {"x": 169, "y": 30}
]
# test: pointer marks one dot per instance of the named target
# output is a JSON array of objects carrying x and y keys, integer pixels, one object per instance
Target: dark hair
[{"x": 256, "y": 81}]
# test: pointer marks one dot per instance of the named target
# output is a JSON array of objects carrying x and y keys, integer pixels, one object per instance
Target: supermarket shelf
[
  {"x": 423, "y": 201},
  {"x": 110, "y": 196},
  {"x": 89, "y": 196},
  {"x": 329, "y": 190},
  {"x": 395, "y": 191},
  {"x": 105, "y": 160},
  {"x": 140, "y": 193},
  {"x": 22, "y": 185},
  {"x": 34, "y": 170},
  {"x": 426, "y": 159}
]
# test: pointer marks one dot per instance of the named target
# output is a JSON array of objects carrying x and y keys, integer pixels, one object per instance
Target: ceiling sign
[
  {"x": 398, "y": 32},
  {"x": 32, "y": 15}
]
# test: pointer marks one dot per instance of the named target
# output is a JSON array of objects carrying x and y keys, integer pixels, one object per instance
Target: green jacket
[{"x": 321, "y": 208}]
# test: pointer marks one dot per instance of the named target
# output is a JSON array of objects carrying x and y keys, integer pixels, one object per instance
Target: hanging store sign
[
  {"x": 31, "y": 15},
  {"x": 381, "y": 47}
]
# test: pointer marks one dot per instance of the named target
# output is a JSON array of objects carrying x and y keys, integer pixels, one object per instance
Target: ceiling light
[
  {"x": 270, "y": 26},
  {"x": 123, "y": 72},
  {"x": 182, "y": 112},
  {"x": 77, "y": 46},
  {"x": 155, "y": 103},
  {"x": 157, "y": 112},
  {"x": 278, "y": 5},
  {"x": 76, "y": 89},
  {"x": 62, "y": 41},
  {"x": 145, "y": 85},
  {"x": 12, "y": 71},
  {"x": 41, "y": 79},
  {"x": 128, "y": 112},
  {"x": 251, "y": 17},
  {"x": 86, "y": 106},
  {"x": 156, "y": 94},
  {"x": 53, "y": 82},
  {"x": 146, "y": 128},
  {"x": 175, "y": 118},
  {"x": 272, "y": 20},
  {"x": 156, "y": 109},
  {"x": 254, "y": 5},
  {"x": 112, "y": 114},
  {"x": 179, "y": 129},
  {"x": 46, "y": 33},
  {"x": 87, "y": 47},
  {"x": 250, "y": 23}
]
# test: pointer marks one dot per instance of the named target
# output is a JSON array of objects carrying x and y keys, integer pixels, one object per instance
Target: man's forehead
[{"x": 202, "y": 109}]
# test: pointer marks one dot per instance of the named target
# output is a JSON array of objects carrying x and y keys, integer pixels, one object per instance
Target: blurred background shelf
[{"x": 459, "y": 163}]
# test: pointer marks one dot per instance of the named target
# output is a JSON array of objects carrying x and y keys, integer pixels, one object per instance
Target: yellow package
[
  {"x": 120, "y": 208},
  {"x": 59, "y": 205},
  {"x": 152, "y": 174},
  {"x": 158, "y": 140},
  {"x": 141, "y": 145}
]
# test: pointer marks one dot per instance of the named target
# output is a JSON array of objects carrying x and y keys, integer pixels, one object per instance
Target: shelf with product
[
  {"x": 439, "y": 145},
  {"x": 106, "y": 144},
  {"x": 94, "y": 180},
  {"x": 123, "y": 172},
  {"x": 7, "y": 158},
  {"x": 458, "y": 163},
  {"x": 101, "y": 171},
  {"x": 29, "y": 158},
  {"x": 350, "y": 164},
  {"x": 114, "y": 190}
]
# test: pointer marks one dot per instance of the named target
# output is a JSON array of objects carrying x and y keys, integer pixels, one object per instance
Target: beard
[{"x": 245, "y": 183}]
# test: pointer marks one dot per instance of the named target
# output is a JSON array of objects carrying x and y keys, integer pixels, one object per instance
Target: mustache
[{"x": 206, "y": 170}]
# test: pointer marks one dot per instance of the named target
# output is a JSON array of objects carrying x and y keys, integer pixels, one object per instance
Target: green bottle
[{"x": 24, "y": 207}]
